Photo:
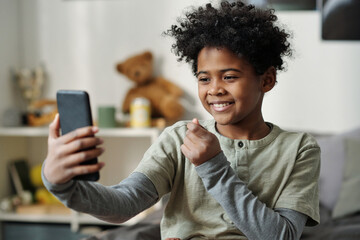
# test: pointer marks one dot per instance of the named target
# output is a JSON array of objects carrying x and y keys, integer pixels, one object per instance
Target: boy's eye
[
  {"x": 230, "y": 77},
  {"x": 204, "y": 79}
]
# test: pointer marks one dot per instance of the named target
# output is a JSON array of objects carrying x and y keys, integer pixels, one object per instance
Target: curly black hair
[{"x": 245, "y": 30}]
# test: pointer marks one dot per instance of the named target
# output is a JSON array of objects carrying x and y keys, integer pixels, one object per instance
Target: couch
[{"x": 339, "y": 188}]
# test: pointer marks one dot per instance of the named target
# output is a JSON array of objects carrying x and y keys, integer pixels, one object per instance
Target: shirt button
[{"x": 240, "y": 144}]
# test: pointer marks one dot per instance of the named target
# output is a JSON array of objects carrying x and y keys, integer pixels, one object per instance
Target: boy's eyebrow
[
  {"x": 200, "y": 72},
  {"x": 231, "y": 69},
  {"x": 222, "y": 70}
]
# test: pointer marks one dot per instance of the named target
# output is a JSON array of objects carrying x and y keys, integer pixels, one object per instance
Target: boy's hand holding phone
[
  {"x": 73, "y": 153},
  {"x": 65, "y": 153},
  {"x": 199, "y": 144}
]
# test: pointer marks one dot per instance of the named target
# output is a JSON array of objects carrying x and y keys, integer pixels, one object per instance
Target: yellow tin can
[{"x": 140, "y": 113}]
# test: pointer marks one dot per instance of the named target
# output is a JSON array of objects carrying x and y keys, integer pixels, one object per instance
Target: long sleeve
[
  {"x": 249, "y": 214},
  {"x": 113, "y": 204}
]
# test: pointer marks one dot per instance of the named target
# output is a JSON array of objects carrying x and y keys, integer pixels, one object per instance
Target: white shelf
[
  {"x": 74, "y": 218},
  {"x": 24, "y": 131},
  {"x": 31, "y": 140},
  {"x": 105, "y": 132},
  {"x": 13, "y": 217}
]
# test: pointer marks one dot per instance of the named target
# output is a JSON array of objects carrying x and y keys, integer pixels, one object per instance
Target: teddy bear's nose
[{"x": 137, "y": 73}]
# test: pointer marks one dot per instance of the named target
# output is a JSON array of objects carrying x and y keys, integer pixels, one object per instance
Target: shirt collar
[{"x": 275, "y": 131}]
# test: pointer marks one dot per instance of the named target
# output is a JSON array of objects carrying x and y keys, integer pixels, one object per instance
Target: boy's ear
[{"x": 268, "y": 79}]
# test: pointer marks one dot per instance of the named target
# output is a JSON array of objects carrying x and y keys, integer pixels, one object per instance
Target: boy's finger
[
  {"x": 185, "y": 150},
  {"x": 82, "y": 157},
  {"x": 191, "y": 140},
  {"x": 196, "y": 121},
  {"x": 81, "y": 144},
  {"x": 85, "y": 169},
  {"x": 54, "y": 127},
  {"x": 196, "y": 128},
  {"x": 80, "y": 133}
]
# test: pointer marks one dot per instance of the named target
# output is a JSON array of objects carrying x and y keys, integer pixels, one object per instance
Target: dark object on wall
[
  {"x": 341, "y": 20},
  {"x": 285, "y": 5}
]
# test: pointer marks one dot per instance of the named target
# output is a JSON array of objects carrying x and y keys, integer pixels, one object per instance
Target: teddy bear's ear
[
  {"x": 147, "y": 55},
  {"x": 120, "y": 67}
]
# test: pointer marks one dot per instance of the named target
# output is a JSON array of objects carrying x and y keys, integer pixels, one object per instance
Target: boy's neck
[{"x": 249, "y": 131}]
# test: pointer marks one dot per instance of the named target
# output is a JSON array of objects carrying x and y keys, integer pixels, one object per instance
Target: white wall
[
  {"x": 9, "y": 50},
  {"x": 80, "y": 42},
  {"x": 319, "y": 92},
  {"x": 9, "y": 57}
]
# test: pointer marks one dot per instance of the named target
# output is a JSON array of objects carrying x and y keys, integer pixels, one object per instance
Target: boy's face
[{"x": 228, "y": 87}]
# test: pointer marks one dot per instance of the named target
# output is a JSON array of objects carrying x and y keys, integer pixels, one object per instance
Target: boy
[{"x": 232, "y": 177}]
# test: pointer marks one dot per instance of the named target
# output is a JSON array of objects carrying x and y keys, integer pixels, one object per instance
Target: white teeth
[{"x": 221, "y": 105}]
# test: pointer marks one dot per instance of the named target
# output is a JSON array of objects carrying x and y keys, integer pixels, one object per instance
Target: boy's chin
[
  {"x": 226, "y": 121},
  {"x": 222, "y": 121}
]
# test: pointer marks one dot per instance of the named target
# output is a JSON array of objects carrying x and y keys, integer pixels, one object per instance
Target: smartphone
[{"x": 75, "y": 112}]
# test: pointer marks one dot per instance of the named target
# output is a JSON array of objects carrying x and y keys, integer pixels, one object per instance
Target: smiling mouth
[{"x": 219, "y": 107}]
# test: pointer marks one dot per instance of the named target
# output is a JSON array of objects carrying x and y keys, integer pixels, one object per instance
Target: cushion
[
  {"x": 332, "y": 162},
  {"x": 349, "y": 198}
]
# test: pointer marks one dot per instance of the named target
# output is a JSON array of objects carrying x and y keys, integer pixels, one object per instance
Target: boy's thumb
[{"x": 196, "y": 121}]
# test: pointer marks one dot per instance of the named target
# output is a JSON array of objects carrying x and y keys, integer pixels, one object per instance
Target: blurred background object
[
  {"x": 30, "y": 84},
  {"x": 341, "y": 20},
  {"x": 286, "y": 4}
]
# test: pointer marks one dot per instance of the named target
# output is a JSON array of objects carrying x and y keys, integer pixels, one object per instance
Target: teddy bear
[{"x": 163, "y": 95}]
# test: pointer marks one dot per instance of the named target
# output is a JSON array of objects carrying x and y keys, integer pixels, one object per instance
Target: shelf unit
[
  {"x": 152, "y": 133},
  {"x": 124, "y": 148},
  {"x": 75, "y": 219}
]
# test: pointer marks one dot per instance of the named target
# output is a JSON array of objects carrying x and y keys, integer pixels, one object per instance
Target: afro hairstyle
[{"x": 245, "y": 30}]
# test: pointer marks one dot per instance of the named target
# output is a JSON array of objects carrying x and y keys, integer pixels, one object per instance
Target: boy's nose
[{"x": 216, "y": 89}]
